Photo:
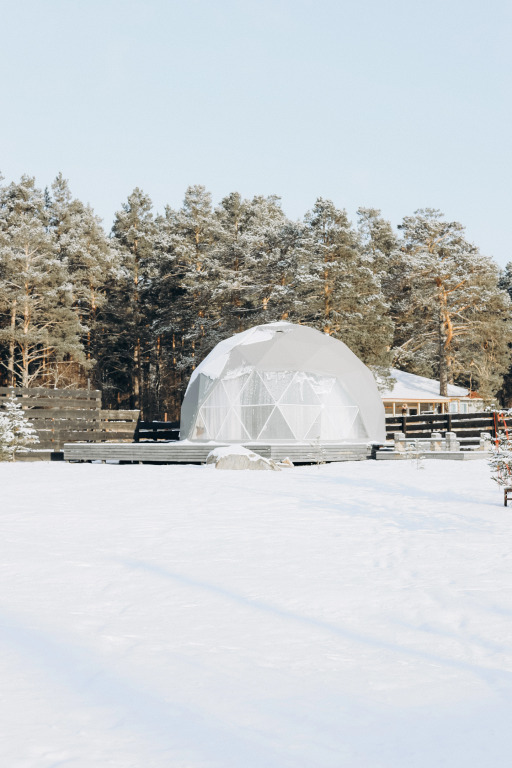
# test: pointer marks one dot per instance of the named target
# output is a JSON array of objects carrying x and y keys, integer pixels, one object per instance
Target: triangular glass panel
[
  {"x": 300, "y": 418},
  {"x": 255, "y": 392},
  {"x": 276, "y": 382},
  {"x": 300, "y": 391},
  {"x": 213, "y": 419},
  {"x": 205, "y": 384},
  {"x": 338, "y": 396},
  {"x": 315, "y": 431},
  {"x": 254, "y": 418},
  {"x": 322, "y": 386},
  {"x": 337, "y": 423},
  {"x": 232, "y": 428},
  {"x": 233, "y": 387},
  {"x": 276, "y": 428},
  {"x": 200, "y": 431},
  {"x": 217, "y": 398}
]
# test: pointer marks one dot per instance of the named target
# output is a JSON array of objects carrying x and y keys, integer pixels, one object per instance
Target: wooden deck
[{"x": 196, "y": 453}]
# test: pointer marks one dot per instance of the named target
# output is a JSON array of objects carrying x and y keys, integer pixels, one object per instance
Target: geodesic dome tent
[{"x": 282, "y": 382}]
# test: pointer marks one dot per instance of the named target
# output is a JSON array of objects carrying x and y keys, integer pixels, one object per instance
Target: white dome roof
[{"x": 282, "y": 382}]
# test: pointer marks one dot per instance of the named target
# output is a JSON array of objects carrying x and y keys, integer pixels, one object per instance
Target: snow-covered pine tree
[
  {"x": 455, "y": 321},
  {"x": 83, "y": 245},
  {"x": 271, "y": 250},
  {"x": 340, "y": 293},
  {"x": 231, "y": 253},
  {"x": 113, "y": 339},
  {"x": 134, "y": 230},
  {"x": 254, "y": 284},
  {"x": 42, "y": 332},
  {"x": 196, "y": 258},
  {"x": 6, "y": 437},
  {"x": 169, "y": 316},
  {"x": 381, "y": 248},
  {"x": 17, "y": 433}
]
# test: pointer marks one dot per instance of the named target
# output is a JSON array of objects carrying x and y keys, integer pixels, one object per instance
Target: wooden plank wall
[
  {"x": 157, "y": 430},
  {"x": 60, "y": 415},
  {"x": 465, "y": 425},
  {"x": 119, "y": 426}
]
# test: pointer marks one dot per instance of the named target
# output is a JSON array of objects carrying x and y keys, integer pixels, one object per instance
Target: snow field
[{"x": 355, "y": 614}]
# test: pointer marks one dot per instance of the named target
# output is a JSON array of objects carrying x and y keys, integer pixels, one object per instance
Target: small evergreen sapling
[
  {"x": 16, "y": 431},
  {"x": 6, "y": 437},
  {"x": 500, "y": 462}
]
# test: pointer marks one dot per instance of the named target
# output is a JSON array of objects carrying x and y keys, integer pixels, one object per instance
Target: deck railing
[
  {"x": 155, "y": 431},
  {"x": 468, "y": 426}
]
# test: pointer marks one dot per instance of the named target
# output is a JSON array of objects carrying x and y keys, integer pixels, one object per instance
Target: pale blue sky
[{"x": 391, "y": 104}]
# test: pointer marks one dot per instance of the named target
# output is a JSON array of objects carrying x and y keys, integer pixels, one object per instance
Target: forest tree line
[{"x": 131, "y": 312}]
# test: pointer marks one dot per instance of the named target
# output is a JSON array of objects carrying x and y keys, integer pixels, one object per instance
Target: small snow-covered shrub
[
  {"x": 6, "y": 437},
  {"x": 500, "y": 462},
  {"x": 16, "y": 431}
]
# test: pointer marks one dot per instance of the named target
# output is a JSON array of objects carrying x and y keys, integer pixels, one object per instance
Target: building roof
[{"x": 408, "y": 386}]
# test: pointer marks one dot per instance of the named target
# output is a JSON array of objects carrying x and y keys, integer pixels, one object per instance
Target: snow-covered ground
[{"x": 356, "y": 615}]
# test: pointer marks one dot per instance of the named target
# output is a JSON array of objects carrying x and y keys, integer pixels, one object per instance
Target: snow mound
[{"x": 238, "y": 457}]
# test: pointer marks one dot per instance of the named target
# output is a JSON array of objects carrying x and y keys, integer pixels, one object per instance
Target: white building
[{"x": 411, "y": 394}]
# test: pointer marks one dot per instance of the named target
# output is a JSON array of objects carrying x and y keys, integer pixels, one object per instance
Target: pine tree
[
  {"x": 82, "y": 244},
  {"x": 42, "y": 332},
  {"x": 168, "y": 326},
  {"x": 248, "y": 255},
  {"x": 188, "y": 316},
  {"x": 274, "y": 264},
  {"x": 134, "y": 229},
  {"x": 16, "y": 431},
  {"x": 114, "y": 331},
  {"x": 381, "y": 248},
  {"x": 455, "y": 320},
  {"x": 341, "y": 292}
]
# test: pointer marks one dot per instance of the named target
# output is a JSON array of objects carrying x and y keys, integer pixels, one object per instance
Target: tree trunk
[
  {"x": 136, "y": 375},
  {"x": 327, "y": 300},
  {"x": 25, "y": 345},
  {"x": 445, "y": 338},
  {"x": 443, "y": 367},
  {"x": 25, "y": 364},
  {"x": 10, "y": 365}
]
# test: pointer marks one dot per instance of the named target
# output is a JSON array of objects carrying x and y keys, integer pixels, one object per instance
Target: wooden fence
[
  {"x": 59, "y": 415},
  {"x": 72, "y": 415},
  {"x": 119, "y": 426},
  {"x": 468, "y": 426}
]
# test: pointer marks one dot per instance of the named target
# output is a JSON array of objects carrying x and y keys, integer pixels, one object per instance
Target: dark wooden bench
[{"x": 507, "y": 494}]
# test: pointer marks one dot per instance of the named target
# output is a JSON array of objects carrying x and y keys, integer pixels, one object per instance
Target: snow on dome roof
[
  {"x": 408, "y": 386},
  {"x": 283, "y": 382},
  {"x": 214, "y": 363}
]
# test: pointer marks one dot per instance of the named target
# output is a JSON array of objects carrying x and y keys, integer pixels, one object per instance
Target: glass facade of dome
[
  {"x": 277, "y": 405},
  {"x": 282, "y": 382}
]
